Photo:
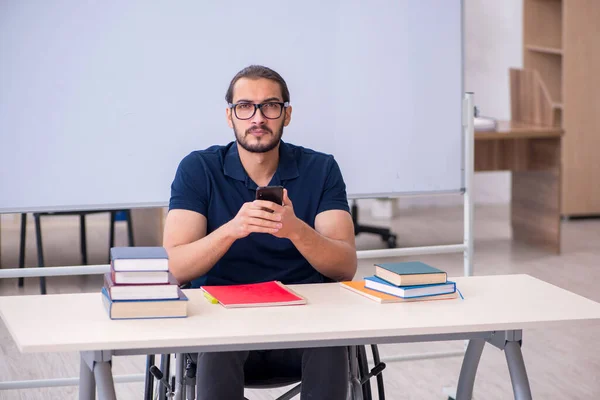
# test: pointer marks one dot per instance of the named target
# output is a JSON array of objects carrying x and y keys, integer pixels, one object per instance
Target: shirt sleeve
[
  {"x": 334, "y": 192},
  {"x": 190, "y": 189}
]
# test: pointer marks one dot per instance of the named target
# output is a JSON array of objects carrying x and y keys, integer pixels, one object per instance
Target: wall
[
  {"x": 494, "y": 40},
  {"x": 493, "y": 44}
]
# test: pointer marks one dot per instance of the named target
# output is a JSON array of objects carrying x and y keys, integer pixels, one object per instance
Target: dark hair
[{"x": 256, "y": 72}]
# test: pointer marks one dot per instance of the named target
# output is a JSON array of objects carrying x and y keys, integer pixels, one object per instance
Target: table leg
[
  {"x": 536, "y": 192},
  {"x": 516, "y": 368},
  {"x": 87, "y": 383},
  {"x": 111, "y": 234},
  {"x": 96, "y": 367},
  {"x": 129, "y": 228},
  {"x": 104, "y": 380},
  {"x": 40, "y": 249},
  {"x": 468, "y": 370},
  {"x": 83, "y": 239}
]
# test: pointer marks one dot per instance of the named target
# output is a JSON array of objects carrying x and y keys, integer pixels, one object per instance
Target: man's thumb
[{"x": 286, "y": 199}]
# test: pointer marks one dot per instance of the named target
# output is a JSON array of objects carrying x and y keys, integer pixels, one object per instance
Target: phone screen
[{"x": 270, "y": 193}]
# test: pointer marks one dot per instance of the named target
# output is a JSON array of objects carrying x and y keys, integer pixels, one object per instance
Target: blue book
[
  {"x": 139, "y": 259},
  {"x": 410, "y": 273},
  {"x": 409, "y": 292},
  {"x": 138, "y": 309}
]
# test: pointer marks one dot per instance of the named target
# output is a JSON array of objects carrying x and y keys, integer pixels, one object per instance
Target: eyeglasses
[{"x": 270, "y": 110}]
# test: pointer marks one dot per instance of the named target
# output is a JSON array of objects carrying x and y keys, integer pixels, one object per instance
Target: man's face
[{"x": 257, "y": 134}]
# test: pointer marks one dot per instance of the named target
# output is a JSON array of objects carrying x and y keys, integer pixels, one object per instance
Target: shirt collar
[
  {"x": 288, "y": 165},
  {"x": 286, "y": 170},
  {"x": 232, "y": 165}
]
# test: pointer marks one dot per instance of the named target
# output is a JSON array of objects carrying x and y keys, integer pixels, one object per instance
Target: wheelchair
[{"x": 182, "y": 384}]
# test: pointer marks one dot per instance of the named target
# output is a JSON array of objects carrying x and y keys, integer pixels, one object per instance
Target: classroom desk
[
  {"x": 533, "y": 155},
  {"x": 332, "y": 317}
]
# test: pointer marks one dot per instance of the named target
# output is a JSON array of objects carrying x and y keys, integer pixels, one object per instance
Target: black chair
[
  {"x": 82, "y": 236},
  {"x": 185, "y": 377},
  {"x": 385, "y": 233}
]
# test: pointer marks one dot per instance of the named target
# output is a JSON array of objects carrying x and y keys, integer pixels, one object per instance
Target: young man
[{"x": 216, "y": 233}]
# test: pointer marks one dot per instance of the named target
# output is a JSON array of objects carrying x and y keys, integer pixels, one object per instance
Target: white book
[{"x": 139, "y": 259}]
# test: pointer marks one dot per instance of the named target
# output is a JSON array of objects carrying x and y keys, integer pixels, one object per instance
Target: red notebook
[{"x": 265, "y": 294}]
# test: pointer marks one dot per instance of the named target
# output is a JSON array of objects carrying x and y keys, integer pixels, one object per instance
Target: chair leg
[
  {"x": 111, "y": 237},
  {"x": 40, "y": 250},
  {"x": 129, "y": 227},
  {"x": 22, "y": 245},
  {"x": 83, "y": 239}
]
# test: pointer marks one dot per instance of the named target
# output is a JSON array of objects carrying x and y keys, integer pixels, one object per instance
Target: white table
[{"x": 495, "y": 310}]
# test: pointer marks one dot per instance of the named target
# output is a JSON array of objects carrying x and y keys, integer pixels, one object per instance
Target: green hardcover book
[{"x": 410, "y": 273}]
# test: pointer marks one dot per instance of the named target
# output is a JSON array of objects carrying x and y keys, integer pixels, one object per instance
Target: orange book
[
  {"x": 359, "y": 287},
  {"x": 264, "y": 294}
]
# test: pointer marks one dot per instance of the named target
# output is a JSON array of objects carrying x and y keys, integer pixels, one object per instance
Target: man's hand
[
  {"x": 253, "y": 218},
  {"x": 290, "y": 224}
]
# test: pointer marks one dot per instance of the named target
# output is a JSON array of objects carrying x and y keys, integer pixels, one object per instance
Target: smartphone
[{"x": 270, "y": 193}]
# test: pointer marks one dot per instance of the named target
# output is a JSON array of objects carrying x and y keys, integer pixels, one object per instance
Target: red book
[{"x": 265, "y": 294}]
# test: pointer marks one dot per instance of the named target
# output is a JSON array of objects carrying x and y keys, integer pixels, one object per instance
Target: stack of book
[
  {"x": 405, "y": 281},
  {"x": 139, "y": 285}
]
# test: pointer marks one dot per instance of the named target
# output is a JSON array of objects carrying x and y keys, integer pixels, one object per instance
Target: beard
[{"x": 263, "y": 144}]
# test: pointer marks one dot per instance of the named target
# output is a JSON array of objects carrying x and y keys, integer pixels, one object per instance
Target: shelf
[
  {"x": 530, "y": 99},
  {"x": 544, "y": 49},
  {"x": 570, "y": 91},
  {"x": 543, "y": 23},
  {"x": 549, "y": 67}
]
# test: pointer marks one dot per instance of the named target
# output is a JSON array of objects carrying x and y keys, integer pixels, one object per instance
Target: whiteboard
[{"x": 100, "y": 100}]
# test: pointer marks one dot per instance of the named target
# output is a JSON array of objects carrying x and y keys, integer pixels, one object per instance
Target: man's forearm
[
  {"x": 335, "y": 259},
  {"x": 189, "y": 261}
]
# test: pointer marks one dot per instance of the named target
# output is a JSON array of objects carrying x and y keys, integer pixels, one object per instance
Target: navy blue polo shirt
[{"x": 213, "y": 182}]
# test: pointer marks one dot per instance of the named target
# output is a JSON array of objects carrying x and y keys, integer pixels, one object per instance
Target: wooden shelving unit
[
  {"x": 560, "y": 85},
  {"x": 544, "y": 50}
]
